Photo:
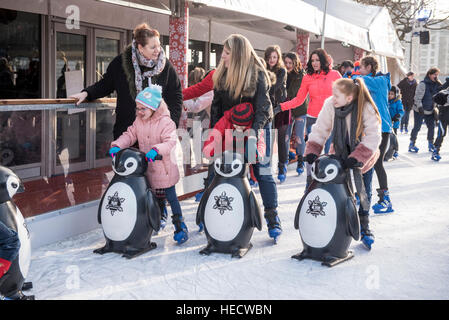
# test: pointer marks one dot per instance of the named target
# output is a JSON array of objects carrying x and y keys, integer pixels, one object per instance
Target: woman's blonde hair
[
  {"x": 359, "y": 91},
  {"x": 243, "y": 61}
]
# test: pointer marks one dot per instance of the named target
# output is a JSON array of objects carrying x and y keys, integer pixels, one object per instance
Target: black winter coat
[
  {"x": 294, "y": 81},
  {"x": 257, "y": 94},
  {"x": 120, "y": 75},
  {"x": 407, "y": 92}
]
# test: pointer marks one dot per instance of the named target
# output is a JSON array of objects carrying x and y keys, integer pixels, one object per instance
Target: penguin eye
[
  {"x": 330, "y": 171},
  {"x": 235, "y": 166},
  {"x": 129, "y": 165},
  {"x": 14, "y": 185}
]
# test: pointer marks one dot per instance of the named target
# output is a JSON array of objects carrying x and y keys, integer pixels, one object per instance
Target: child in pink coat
[{"x": 155, "y": 133}]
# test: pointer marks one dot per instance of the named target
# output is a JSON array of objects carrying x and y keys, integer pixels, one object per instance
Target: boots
[
  {"x": 300, "y": 167},
  {"x": 431, "y": 146},
  {"x": 181, "y": 232},
  {"x": 282, "y": 174},
  {"x": 412, "y": 147},
  {"x": 436, "y": 155},
  {"x": 366, "y": 236},
  {"x": 273, "y": 223},
  {"x": 384, "y": 204}
]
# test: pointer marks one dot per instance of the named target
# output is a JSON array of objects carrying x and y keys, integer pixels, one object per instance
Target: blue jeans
[
  {"x": 9, "y": 243},
  {"x": 172, "y": 198},
  {"x": 404, "y": 120},
  {"x": 368, "y": 182},
  {"x": 299, "y": 126},
  {"x": 430, "y": 123},
  {"x": 262, "y": 171},
  {"x": 310, "y": 122}
]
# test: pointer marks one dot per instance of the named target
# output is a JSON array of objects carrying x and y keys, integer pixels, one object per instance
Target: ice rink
[{"x": 409, "y": 259}]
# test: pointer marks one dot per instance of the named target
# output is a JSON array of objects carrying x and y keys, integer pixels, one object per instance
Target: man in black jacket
[{"x": 408, "y": 87}]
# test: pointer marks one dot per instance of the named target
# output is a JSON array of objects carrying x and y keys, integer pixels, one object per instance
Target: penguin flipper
[
  {"x": 352, "y": 219},
  {"x": 256, "y": 215},
  {"x": 99, "y": 210},
  {"x": 298, "y": 210},
  {"x": 201, "y": 206},
  {"x": 153, "y": 211}
]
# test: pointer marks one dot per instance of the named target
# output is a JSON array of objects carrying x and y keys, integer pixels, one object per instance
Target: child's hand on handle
[
  {"x": 351, "y": 163},
  {"x": 113, "y": 151},
  {"x": 311, "y": 157},
  {"x": 152, "y": 155},
  {"x": 80, "y": 96}
]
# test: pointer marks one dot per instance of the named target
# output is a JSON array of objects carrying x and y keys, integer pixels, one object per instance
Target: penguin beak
[
  {"x": 121, "y": 168},
  {"x": 321, "y": 175},
  {"x": 21, "y": 188},
  {"x": 226, "y": 168}
]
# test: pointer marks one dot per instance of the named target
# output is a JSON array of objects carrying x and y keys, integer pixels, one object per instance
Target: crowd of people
[
  {"x": 350, "y": 111},
  {"x": 275, "y": 91}
]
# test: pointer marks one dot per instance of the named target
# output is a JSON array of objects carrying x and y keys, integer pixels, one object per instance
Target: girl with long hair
[
  {"x": 241, "y": 77},
  {"x": 353, "y": 119},
  {"x": 278, "y": 93},
  {"x": 299, "y": 114}
]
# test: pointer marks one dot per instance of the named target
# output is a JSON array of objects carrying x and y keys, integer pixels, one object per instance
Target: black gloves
[
  {"x": 396, "y": 117},
  {"x": 277, "y": 109},
  {"x": 351, "y": 163},
  {"x": 311, "y": 157},
  {"x": 421, "y": 111}
]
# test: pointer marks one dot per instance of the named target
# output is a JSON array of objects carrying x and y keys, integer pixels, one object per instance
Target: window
[
  {"x": 196, "y": 54},
  {"x": 70, "y": 56},
  {"x": 20, "y": 40},
  {"x": 215, "y": 55}
]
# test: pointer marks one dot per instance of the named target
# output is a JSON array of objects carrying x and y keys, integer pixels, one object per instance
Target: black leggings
[{"x": 379, "y": 165}]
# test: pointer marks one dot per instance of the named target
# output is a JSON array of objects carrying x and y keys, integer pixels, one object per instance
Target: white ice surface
[{"x": 409, "y": 260}]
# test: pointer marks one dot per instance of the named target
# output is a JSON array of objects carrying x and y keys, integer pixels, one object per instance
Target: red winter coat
[
  {"x": 319, "y": 88},
  {"x": 224, "y": 129}
]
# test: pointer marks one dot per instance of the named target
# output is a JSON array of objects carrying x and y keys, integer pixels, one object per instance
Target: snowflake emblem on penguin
[
  {"x": 223, "y": 202},
  {"x": 316, "y": 207},
  {"x": 115, "y": 203}
]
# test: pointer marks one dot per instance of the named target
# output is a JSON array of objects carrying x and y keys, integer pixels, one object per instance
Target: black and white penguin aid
[
  {"x": 326, "y": 217},
  {"x": 228, "y": 208},
  {"x": 128, "y": 210},
  {"x": 13, "y": 282}
]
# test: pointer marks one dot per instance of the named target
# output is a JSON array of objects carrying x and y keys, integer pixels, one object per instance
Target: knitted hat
[
  {"x": 242, "y": 114},
  {"x": 150, "y": 97}
]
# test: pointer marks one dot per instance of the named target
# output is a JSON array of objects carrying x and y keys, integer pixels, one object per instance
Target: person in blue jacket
[
  {"x": 379, "y": 85},
  {"x": 395, "y": 107}
]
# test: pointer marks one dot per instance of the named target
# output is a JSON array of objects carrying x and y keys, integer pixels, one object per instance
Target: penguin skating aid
[
  {"x": 228, "y": 209},
  {"x": 129, "y": 211},
  {"x": 326, "y": 216},
  {"x": 13, "y": 282}
]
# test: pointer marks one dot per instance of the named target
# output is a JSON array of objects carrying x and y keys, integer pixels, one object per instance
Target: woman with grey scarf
[
  {"x": 142, "y": 63},
  {"x": 352, "y": 118}
]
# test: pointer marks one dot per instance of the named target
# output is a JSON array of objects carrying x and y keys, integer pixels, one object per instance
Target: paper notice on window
[{"x": 74, "y": 84}]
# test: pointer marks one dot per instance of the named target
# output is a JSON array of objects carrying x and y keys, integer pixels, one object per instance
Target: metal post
[{"x": 324, "y": 24}]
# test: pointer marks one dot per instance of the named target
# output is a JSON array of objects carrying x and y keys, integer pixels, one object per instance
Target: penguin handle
[
  {"x": 256, "y": 215},
  {"x": 153, "y": 211},
  {"x": 200, "y": 210},
  {"x": 352, "y": 218},
  {"x": 99, "y": 211},
  {"x": 298, "y": 210}
]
